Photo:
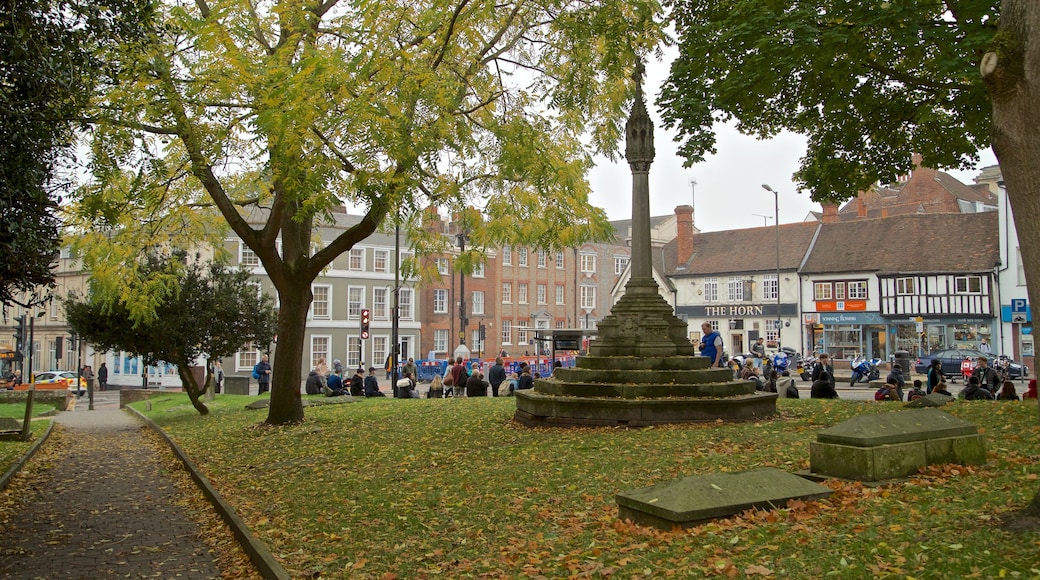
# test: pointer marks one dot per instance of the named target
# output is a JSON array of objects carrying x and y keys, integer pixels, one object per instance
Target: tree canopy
[
  {"x": 213, "y": 312},
  {"x": 869, "y": 83},
  {"x": 50, "y": 66},
  {"x": 283, "y": 110}
]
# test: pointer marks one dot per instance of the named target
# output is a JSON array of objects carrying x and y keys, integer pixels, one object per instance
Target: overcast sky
[{"x": 729, "y": 184}]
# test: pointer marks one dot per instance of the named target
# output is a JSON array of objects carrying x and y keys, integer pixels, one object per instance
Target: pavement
[{"x": 103, "y": 507}]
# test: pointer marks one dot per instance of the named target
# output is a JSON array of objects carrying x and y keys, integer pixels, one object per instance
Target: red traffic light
[{"x": 366, "y": 317}]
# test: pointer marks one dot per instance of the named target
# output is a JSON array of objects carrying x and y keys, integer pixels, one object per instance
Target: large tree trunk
[
  {"x": 1012, "y": 75},
  {"x": 286, "y": 403}
]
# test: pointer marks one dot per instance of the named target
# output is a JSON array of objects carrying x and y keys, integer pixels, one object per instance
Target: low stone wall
[
  {"x": 57, "y": 397},
  {"x": 127, "y": 396}
]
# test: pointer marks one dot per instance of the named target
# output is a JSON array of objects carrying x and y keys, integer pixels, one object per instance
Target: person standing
[
  {"x": 711, "y": 344},
  {"x": 102, "y": 377},
  {"x": 262, "y": 374},
  {"x": 985, "y": 347},
  {"x": 459, "y": 375},
  {"x": 496, "y": 376},
  {"x": 88, "y": 376},
  {"x": 758, "y": 352},
  {"x": 410, "y": 369},
  {"x": 218, "y": 376},
  {"x": 935, "y": 375},
  {"x": 988, "y": 378}
]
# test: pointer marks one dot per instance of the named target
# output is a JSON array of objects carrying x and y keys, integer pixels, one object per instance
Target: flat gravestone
[
  {"x": 10, "y": 424},
  {"x": 893, "y": 445},
  {"x": 693, "y": 500}
]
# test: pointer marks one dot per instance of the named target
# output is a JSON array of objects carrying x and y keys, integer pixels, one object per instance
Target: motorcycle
[
  {"x": 805, "y": 367},
  {"x": 865, "y": 369}
]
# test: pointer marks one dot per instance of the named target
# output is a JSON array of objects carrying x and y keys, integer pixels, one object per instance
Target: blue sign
[
  {"x": 1008, "y": 315},
  {"x": 1019, "y": 305}
]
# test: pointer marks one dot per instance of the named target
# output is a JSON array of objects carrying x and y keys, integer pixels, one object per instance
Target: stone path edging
[
  {"x": 5, "y": 480},
  {"x": 259, "y": 554}
]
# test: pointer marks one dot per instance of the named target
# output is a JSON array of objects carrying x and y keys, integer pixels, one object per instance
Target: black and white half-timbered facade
[{"x": 916, "y": 282}]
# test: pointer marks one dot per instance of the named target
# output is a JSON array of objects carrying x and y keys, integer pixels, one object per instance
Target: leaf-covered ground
[
  {"x": 453, "y": 488},
  {"x": 11, "y": 451}
]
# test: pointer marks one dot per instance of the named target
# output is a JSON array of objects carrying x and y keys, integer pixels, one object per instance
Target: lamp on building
[{"x": 776, "y": 227}]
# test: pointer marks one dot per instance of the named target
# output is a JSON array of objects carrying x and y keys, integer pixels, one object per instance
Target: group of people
[
  {"x": 331, "y": 383},
  {"x": 459, "y": 381}
]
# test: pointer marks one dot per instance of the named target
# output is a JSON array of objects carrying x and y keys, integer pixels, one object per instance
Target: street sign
[
  {"x": 1018, "y": 318},
  {"x": 1019, "y": 306}
]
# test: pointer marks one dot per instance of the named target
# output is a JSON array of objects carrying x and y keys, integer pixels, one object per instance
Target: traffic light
[
  {"x": 19, "y": 335},
  {"x": 59, "y": 345},
  {"x": 483, "y": 332},
  {"x": 366, "y": 318}
]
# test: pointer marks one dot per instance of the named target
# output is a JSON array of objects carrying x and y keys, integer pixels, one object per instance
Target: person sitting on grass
[
  {"x": 436, "y": 388},
  {"x": 917, "y": 392},
  {"x": 313, "y": 385},
  {"x": 525, "y": 381},
  {"x": 822, "y": 388},
  {"x": 887, "y": 392},
  {"x": 357, "y": 383},
  {"x": 334, "y": 388},
  {"x": 974, "y": 391},
  {"x": 406, "y": 387},
  {"x": 1031, "y": 390},
  {"x": 372, "y": 384},
  {"x": 1007, "y": 392},
  {"x": 940, "y": 388}
]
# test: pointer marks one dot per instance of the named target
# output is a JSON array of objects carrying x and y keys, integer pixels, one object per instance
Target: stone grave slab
[
  {"x": 693, "y": 500},
  {"x": 10, "y": 424},
  {"x": 892, "y": 445}
]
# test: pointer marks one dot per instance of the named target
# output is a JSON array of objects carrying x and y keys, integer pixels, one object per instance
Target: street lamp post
[{"x": 776, "y": 226}]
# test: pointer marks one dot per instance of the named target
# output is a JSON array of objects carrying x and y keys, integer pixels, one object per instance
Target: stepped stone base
[
  {"x": 642, "y": 370},
  {"x": 693, "y": 500},
  {"x": 893, "y": 445},
  {"x": 641, "y": 391}
]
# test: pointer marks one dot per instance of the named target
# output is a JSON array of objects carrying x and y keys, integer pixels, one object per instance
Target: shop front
[
  {"x": 741, "y": 325},
  {"x": 846, "y": 335}
]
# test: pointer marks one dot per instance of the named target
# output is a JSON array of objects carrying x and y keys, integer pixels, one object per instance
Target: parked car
[
  {"x": 61, "y": 377},
  {"x": 952, "y": 358}
]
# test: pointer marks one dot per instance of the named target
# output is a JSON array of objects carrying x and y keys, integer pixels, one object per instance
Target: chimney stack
[
  {"x": 684, "y": 234},
  {"x": 830, "y": 213}
]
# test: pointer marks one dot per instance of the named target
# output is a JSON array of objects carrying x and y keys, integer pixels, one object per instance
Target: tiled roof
[
  {"x": 927, "y": 191},
  {"x": 747, "y": 250},
  {"x": 950, "y": 242}
]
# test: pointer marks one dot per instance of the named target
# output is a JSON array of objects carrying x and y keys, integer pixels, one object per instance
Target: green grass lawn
[
  {"x": 453, "y": 488},
  {"x": 17, "y": 410}
]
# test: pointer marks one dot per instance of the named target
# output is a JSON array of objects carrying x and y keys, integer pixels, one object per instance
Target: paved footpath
[{"x": 105, "y": 509}]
